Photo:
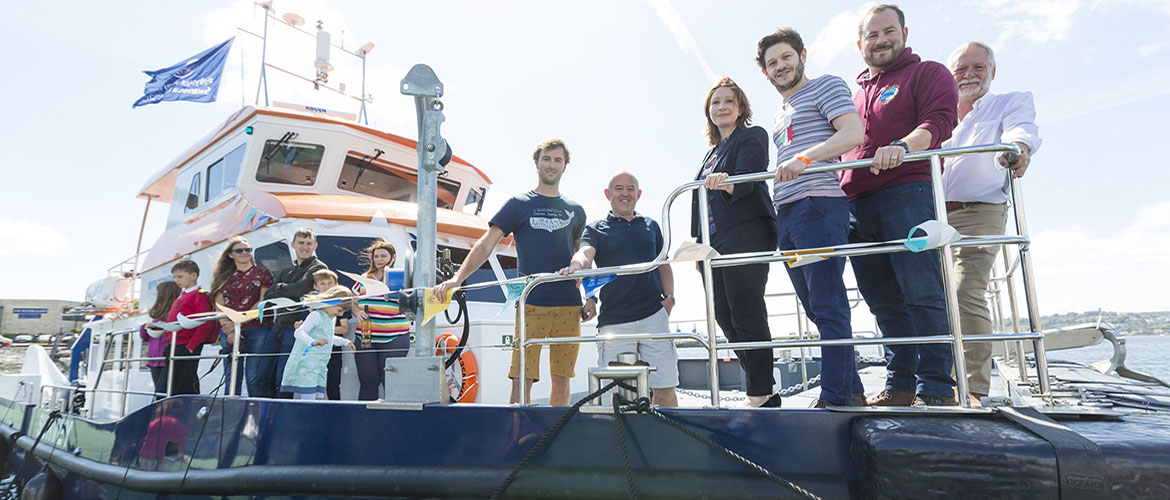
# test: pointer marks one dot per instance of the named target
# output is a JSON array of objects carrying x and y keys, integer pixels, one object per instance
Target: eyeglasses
[{"x": 238, "y": 251}]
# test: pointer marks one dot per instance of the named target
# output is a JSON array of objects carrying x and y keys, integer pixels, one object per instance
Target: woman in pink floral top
[{"x": 239, "y": 283}]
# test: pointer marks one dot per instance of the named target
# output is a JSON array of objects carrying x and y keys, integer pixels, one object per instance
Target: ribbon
[{"x": 690, "y": 250}]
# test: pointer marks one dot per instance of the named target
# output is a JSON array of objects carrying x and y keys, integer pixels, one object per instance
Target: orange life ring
[{"x": 464, "y": 382}]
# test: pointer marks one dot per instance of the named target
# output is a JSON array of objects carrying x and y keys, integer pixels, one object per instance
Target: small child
[
  {"x": 323, "y": 280},
  {"x": 305, "y": 373},
  {"x": 157, "y": 340},
  {"x": 189, "y": 341}
]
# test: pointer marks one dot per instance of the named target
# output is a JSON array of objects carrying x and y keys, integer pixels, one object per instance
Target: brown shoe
[
  {"x": 977, "y": 400},
  {"x": 858, "y": 399},
  {"x": 921, "y": 400},
  {"x": 892, "y": 398}
]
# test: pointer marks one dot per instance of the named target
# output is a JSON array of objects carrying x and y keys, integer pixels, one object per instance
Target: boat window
[
  {"x": 193, "y": 194},
  {"x": 287, "y": 162},
  {"x": 222, "y": 175},
  {"x": 363, "y": 174},
  {"x": 474, "y": 202}
]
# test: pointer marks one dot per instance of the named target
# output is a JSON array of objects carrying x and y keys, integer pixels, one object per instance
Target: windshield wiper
[
  {"x": 366, "y": 161},
  {"x": 282, "y": 143}
]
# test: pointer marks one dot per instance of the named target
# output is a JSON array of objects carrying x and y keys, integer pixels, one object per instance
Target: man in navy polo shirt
[{"x": 636, "y": 303}]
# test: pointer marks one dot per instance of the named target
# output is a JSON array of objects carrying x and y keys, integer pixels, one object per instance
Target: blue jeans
[
  {"x": 280, "y": 341},
  {"x": 904, "y": 290},
  {"x": 251, "y": 341},
  {"x": 815, "y": 222}
]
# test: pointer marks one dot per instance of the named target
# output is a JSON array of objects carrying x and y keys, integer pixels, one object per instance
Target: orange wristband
[{"x": 805, "y": 159}]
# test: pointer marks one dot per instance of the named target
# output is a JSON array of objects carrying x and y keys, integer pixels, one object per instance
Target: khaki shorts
[{"x": 544, "y": 322}]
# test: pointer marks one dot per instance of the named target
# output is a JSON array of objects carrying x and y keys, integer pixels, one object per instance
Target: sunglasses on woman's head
[{"x": 238, "y": 251}]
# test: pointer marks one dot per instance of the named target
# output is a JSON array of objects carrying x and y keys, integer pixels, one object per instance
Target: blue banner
[
  {"x": 194, "y": 79},
  {"x": 593, "y": 284}
]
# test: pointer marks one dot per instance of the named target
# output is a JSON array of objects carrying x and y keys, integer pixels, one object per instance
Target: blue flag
[
  {"x": 593, "y": 284},
  {"x": 194, "y": 79}
]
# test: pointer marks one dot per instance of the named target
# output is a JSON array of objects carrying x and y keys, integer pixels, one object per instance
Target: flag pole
[{"x": 263, "y": 58}]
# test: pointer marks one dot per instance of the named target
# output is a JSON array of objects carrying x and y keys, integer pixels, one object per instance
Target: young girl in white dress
[{"x": 305, "y": 373}]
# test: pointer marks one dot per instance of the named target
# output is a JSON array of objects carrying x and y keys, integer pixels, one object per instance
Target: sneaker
[
  {"x": 857, "y": 400},
  {"x": 890, "y": 397},
  {"x": 921, "y": 401},
  {"x": 772, "y": 402},
  {"x": 821, "y": 403}
]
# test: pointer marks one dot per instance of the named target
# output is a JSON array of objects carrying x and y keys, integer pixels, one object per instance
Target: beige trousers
[{"x": 972, "y": 273}]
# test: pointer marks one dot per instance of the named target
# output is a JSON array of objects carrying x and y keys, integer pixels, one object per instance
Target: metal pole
[
  {"x": 362, "y": 114},
  {"x": 171, "y": 365},
  {"x": 263, "y": 64},
  {"x": 235, "y": 360},
  {"x": 126, "y": 347},
  {"x": 948, "y": 277},
  {"x": 709, "y": 298},
  {"x": 138, "y": 251},
  {"x": 1030, "y": 288},
  {"x": 422, "y": 83},
  {"x": 1015, "y": 310},
  {"x": 800, "y": 325}
]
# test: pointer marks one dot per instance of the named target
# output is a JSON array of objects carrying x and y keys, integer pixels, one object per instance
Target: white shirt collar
[{"x": 192, "y": 289}]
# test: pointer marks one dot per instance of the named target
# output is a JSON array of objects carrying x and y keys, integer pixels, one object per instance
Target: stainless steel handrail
[{"x": 956, "y": 337}]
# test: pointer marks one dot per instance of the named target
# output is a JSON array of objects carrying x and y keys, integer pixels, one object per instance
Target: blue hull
[{"x": 279, "y": 448}]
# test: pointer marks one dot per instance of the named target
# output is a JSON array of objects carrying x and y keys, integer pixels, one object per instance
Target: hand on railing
[
  {"x": 712, "y": 183},
  {"x": 887, "y": 157},
  {"x": 791, "y": 169}
]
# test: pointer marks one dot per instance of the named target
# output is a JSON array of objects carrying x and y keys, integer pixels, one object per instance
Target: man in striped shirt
[{"x": 816, "y": 124}]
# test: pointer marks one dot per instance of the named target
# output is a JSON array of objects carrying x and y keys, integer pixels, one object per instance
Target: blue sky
[{"x": 621, "y": 81}]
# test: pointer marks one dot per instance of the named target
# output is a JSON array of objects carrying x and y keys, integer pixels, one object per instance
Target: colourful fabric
[
  {"x": 907, "y": 95},
  {"x": 386, "y": 323},
  {"x": 190, "y": 303},
  {"x": 242, "y": 291}
]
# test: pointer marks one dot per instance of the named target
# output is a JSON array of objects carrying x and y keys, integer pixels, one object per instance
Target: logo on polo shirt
[
  {"x": 888, "y": 94},
  {"x": 549, "y": 220}
]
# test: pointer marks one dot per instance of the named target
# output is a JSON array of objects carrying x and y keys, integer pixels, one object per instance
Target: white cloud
[
  {"x": 1128, "y": 271},
  {"x": 682, "y": 35},
  {"x": 1037, "y": 21},
  {"x": 1134, "y": 87},
  {"x": 28, "y": 237},
  {"x": 838, "y": 37},
  {"x": 1152, "y": 48}
]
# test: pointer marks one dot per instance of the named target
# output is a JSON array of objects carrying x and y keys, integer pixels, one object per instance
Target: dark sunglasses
[{"x": 238, "y": 251}]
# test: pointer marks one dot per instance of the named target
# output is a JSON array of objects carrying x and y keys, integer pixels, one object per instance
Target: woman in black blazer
[{"x": 741, "y": 219}]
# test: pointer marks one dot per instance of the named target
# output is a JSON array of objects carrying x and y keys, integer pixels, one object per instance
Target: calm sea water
[{"x": 1145, "y": 353}]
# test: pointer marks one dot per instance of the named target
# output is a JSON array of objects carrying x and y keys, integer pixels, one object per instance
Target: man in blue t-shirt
[
  {"x": 817, "y": 123},
  {"x": 548, "y": 230},
  {"x": 635, "y": 303}
]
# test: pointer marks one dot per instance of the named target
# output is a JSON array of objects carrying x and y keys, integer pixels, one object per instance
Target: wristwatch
[
  {"x": 903, "y": 144},
  {"x": 663, "y": 296}
]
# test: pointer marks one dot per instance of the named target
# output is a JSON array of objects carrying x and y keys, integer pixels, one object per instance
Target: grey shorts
[{"x": 660, "y": 353}]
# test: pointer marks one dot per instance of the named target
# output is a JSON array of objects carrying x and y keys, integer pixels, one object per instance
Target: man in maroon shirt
[{"x": 906, "y": 105}]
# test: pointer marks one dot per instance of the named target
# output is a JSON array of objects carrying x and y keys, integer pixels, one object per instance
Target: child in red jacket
[{"x": 188, "y": 341}]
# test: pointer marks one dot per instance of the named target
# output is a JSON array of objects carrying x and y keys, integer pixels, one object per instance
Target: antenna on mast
[{"x": 322, "y": 61}]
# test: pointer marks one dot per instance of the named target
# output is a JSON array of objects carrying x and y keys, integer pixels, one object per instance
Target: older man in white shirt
[{"x": 977, "y": 186}]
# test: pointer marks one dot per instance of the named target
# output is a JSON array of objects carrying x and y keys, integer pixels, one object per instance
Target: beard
[
  {"x": 977, "y": 91},
  {"x": 551, "y": 179},
  {"x": 896, "y": 50},
  {"x": 797, "y": 76}
]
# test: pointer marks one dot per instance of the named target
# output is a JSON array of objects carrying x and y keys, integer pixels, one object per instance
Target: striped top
[
  {"x": 804, "y": 120},
  {"x": 385, "y": 323}
]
